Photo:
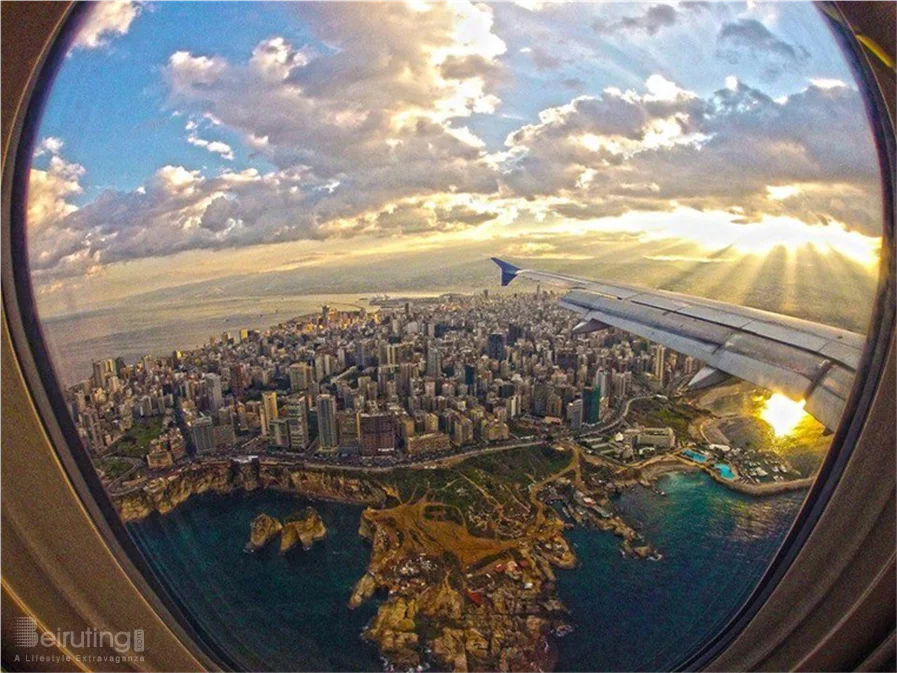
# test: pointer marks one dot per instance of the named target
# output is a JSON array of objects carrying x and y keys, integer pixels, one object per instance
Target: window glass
[{"x": 259, "y": 237}]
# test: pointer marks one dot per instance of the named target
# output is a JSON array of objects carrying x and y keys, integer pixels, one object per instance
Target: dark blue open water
[
  {"x": 289, "y": 612},
  {"x": 634, "y": 615},
  {"x": 268, "y": 611}
]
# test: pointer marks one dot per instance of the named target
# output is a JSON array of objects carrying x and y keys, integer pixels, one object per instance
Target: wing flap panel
[
  {"x": 839, "y": 381},
  {"x": 842, "y": 352},
  {"x": 825, "y": 406},
  {"x": 788, "y": 335},
  {"x": 808, "y": 365},
  {"x": 659, "y": 301},
  {"x": 652, "y": 317},
  {"x": 715, "y": 315}
]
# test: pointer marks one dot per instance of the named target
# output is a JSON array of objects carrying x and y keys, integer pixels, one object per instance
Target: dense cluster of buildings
[{"x": 426, "y": 376}]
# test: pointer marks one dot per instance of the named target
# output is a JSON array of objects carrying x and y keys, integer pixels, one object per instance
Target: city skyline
[
  {"x": 414, "y": 381},
  {"x": 467, "y": 439},
  {"x": 510, "y": 127}
]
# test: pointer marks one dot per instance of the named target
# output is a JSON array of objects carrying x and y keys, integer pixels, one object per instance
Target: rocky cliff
[
  {"x": 457, "y": 610},
  {"x": 224, "y": 476}
]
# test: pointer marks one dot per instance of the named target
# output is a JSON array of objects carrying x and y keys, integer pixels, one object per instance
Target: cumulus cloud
[
  {"x": 601, "y": 156},
  {"x": 378, "y": 112},
  {"x": 50, "y": 189},
  {"x": 373, "y": 133},
  {"x": 178, "y": 209},
  {"x": 660, "y": 148},
  {"x": 275, "y": 58},
  {"x": 578, "y": 143},
  {"x": 50, "y": 144},
  {"x": 186, "y": 71},
  {"x": 749, "y": 38},
  {"x": 658, "y": 17},
  {"x": 218, "y": 147},
  {"x": 104, "y": 21}
]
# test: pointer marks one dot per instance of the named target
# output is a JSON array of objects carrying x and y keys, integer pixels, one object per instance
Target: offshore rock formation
[
  {"x": 261, "y": 531},
  {"x": 226, "y": 476},
  {"x": 465, "y": 562},
  {"x": 304, "y": 527}
]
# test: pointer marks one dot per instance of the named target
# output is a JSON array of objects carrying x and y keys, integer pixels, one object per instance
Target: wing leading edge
[{"x": 798, "y": 358}]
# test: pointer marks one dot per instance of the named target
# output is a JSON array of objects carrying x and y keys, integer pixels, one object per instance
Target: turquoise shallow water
[
  {"x": 724, "y": 470},
  {"x": 634, "y": 615},
  {"x": 274, "y": 612}
]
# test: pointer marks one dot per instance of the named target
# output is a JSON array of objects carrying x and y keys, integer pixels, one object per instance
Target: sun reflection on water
[{"x": 783, "y": 413}]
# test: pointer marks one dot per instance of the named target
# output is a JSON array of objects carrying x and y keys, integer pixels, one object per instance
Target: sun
[{"x": 783, "y": 413}]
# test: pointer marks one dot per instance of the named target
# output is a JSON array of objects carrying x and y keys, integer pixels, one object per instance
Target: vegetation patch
[{"x": 135, "y": 442}]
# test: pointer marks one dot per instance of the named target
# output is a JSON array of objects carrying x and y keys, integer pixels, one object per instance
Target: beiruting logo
[{"x": 28, "y": 635}]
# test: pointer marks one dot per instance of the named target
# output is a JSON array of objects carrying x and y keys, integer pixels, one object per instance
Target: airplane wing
[{"x": 798, "y": 358}]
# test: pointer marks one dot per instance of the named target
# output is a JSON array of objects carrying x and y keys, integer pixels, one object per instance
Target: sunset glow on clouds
[{"x": 404, "y": 125}]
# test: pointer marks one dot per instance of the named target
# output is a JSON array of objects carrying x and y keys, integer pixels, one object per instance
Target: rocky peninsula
[
  {"x": 465, "y": 555},
  {"x": 458, "y": 601}
]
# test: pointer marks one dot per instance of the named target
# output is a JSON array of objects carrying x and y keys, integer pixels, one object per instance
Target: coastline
[
  {"x": 458, "y": 598},
  {"x": 223, "y": 477},
  {"x": 338, "y": 485},
  {"x": 668, "y": 464},
  {"x": 760, "y": 490},
  {"x": 497, "y": 593}
]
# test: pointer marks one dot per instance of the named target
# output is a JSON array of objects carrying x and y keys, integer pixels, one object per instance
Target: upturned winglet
[{"x": 508, "y": 271}]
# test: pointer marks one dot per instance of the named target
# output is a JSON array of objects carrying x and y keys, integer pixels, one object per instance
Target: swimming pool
[
  {"x": 725, "y": 471},
  {"x": 695, "y": 456}
]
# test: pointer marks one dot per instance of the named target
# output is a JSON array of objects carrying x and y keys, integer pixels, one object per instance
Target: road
[
  {"x": 421, "y": 463},
  {"x": 619, "y": 419},
  {"x": 290, "y": 459},
  {"x": 135, "y": 463},
  {"x": 257, "y": 445}
]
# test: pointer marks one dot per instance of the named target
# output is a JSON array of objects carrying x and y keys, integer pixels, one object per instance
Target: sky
[{"x": 188, "y": 142}]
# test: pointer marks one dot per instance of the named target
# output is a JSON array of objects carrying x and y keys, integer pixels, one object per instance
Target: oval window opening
[{"x": 469, "y": 336}]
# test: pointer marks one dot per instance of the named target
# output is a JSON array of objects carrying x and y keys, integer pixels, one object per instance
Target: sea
[
  {"x": 289, "y": 612},
  {"x": 161, "y": 326}
]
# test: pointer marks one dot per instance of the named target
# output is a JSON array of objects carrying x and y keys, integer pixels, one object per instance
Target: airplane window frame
[
  {"x": 20, "y": 314},
  {"x": 21, "y": 317},
  {"x": 871, "y": 367}
]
